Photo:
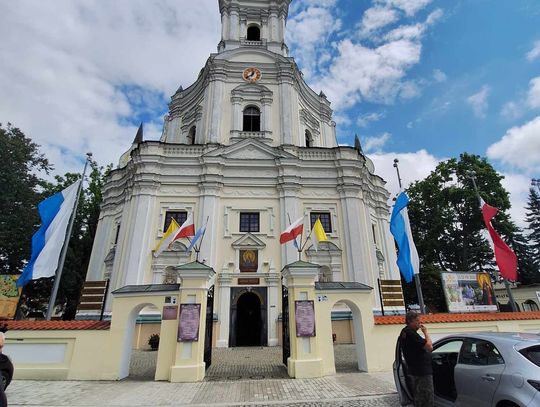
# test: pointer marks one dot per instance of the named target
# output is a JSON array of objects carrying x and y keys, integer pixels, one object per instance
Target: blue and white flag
[
  {"x": 198, "y": 234},
  {"x": 48, "y": 241},
  {"x": 407, "y": 260}
]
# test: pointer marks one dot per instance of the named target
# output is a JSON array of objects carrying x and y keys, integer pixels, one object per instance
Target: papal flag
[
  {"x": 55, "y": 213},
  {"x": 317, "y": 234},
  {"x": 167, "y": 238}
]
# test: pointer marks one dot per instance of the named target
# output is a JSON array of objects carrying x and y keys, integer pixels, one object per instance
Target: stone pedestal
[
  {"x": 306, "y": 359},
  {"x": 189, "y": 363}
]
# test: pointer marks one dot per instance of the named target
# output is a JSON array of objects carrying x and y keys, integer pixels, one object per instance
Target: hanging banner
[
  {"x": 9, "y": 296},
  {"x": 469, "y": 292}
]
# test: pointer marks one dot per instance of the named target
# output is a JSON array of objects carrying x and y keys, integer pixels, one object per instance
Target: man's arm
[{"x": 428, "y": 346}]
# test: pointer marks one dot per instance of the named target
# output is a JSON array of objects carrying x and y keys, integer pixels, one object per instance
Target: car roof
[{"x": 517, "y": 339}]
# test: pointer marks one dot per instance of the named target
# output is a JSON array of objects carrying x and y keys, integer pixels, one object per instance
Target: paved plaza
[{"x": 237, "y": 377}]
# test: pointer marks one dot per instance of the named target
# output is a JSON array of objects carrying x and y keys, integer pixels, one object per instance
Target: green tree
[
  {"x": 532, "y": 217},
  {"x": 447, "y": 223},
  {"x": 20, "y": 166}
]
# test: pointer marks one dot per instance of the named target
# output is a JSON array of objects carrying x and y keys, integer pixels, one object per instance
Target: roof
[
  {"x": 56, "y": 325},
  {"x": 146, "y": 288},
  {"x": 471, "y": 317},
  {"x": 300, "y": 263},
  {"x": 342, "y": 286},
  {"x": 194, "y": 265}
]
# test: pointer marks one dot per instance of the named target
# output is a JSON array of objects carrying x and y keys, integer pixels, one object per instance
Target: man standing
[{"x": 417, "y": 353}]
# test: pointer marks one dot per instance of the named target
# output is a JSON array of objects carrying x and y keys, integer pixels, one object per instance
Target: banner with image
[
  {"x": 469, "y": 292},
  {"x": 9, "y": 296}
]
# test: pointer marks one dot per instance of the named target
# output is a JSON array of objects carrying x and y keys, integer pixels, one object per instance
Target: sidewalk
[{"x": 238, "y": 377}]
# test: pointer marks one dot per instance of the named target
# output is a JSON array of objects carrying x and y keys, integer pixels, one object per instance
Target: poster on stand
[
  {"x": 469, "y": 292},
  {"x": 9, "y": 295}
]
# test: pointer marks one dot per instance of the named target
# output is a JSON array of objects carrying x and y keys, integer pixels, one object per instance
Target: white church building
[{"x": 249, "y": 146}]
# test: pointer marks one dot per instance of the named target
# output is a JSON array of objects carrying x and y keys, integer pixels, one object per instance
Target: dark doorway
[{"x": 248, "y": 327}]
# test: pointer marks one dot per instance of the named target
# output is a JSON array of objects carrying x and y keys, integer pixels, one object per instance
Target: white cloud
[
  {"x": 376, "y": 18},
  {"x": 518, "y": 186},
  {"x": 375, "y": 143},
  {"x": 479, "y": 101},
  {"x": 511, "y": 110},
  {"x": 439, "y": 76},
  {"x": 412, "y": 167},
  {"x": 410, "y": 7},
  {"x": 365, "y": 119},
  {"x": 534, "y": 52},
  {"x": 75, "y": 75},
  {"x": 533, "y": 97},
  {"x": 307, "y": 30},
  {"x": 519, "y": 147}
]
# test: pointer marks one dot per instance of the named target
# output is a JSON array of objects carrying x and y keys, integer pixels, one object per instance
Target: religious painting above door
[{"x": 249, "y": 261}]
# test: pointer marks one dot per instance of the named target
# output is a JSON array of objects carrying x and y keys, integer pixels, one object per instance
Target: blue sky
[{"x": 417, "y": 80}]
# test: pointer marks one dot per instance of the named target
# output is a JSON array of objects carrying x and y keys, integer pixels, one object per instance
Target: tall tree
[
  {"x": 532, "y": 217},
  {"x": 447, "y": 222},
  {"x": 20, "y": 165}
]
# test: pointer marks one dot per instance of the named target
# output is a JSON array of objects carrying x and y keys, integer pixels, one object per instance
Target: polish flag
[
  {"x": 292, "y": 231},
  {"x": 187, "y": 229},
  {"x": 504, "y": 256}
]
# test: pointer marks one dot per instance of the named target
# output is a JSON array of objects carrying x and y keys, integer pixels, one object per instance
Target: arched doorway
[
  {"x": 248, "y": 323},
  {"x": 248, "y": 326}
]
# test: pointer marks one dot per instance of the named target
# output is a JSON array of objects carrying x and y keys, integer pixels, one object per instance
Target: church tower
[{"x": 246, "y": 149}]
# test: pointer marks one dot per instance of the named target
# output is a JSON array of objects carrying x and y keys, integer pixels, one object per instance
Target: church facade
[{"x": 247, "y": 149}]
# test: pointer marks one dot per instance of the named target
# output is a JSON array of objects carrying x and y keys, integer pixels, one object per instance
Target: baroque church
[{"x": 247, "y": 148}]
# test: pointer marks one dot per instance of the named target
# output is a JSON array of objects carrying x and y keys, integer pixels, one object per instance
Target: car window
[
  {"x": 480, "y": 353},
  {"x": 532, "y": 353},
  {"x": 449, "y": 347}
]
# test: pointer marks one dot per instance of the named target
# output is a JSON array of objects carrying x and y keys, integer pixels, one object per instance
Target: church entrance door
[{"x": 248, "y": 317}]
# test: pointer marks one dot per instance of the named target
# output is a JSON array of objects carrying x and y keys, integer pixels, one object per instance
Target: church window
[
  {"x": 325, "y": 220},
  {"x": 249, "y": 221},
  {"x": 179, "y": 216},
  {"x": 252, "y": 119},
  {"x": 191, "y": 135},
  {"x": 253, "y": 33},
  {"x": 309, "y": 139},
  {"x": 117, "y": 233}
]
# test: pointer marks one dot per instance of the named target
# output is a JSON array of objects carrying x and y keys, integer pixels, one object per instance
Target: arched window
[
  {"x": 530, "y": 305},
  {"x": 309, "y": 139},
  {"x": 253, "y": 33},
  {"x": 252, "y": 119},
  {"x": 191, "y": 135}
]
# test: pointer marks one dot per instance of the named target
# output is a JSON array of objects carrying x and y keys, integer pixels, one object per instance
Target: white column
[
  {"x": 224, "y": 283},
  {"x": 267, "y": 114},
  {"x": 209, "y": 207},
  {"x": 234, "y": 27},
  {"x": 285, "y": 93},
  {"x": 236, "y": 113},
  {"x": 216, "y": 85},
  {"x": 274, "y": 298}
]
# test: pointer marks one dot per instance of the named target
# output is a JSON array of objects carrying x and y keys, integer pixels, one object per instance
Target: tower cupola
[{"x": 254, "y": 23}]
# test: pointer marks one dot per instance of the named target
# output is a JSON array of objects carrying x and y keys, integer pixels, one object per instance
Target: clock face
[{"x": 251, "y": 74}]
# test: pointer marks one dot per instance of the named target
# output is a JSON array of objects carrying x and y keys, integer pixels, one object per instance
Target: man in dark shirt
[{"x": 417, "y": 353}]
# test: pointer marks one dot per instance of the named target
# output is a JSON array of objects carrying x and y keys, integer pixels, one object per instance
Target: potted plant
[{"x": 154, "y": 341}]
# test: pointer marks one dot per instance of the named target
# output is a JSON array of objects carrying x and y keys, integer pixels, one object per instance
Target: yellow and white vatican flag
[
  {"x": 317, "y": 234},
  {"x": 167, "y": 238}
]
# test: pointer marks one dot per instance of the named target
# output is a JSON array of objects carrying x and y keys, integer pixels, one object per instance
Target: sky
[{"x": 418, "y": 80}]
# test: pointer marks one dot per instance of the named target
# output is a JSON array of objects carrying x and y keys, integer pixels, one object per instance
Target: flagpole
[
  {"x": 416, "y": 275},
  {"x": 59, "y": 270},
  {"x": 298, "y": 247},
  {"x": 198, "y": 249},
  {"x": 472, "y": 176}
]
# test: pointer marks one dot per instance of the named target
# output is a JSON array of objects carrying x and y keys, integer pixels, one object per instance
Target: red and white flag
[
  {"x": 187, "y": 229},
  {"x": 295, "y": 229},
  {"x": 504, "y": 256}
]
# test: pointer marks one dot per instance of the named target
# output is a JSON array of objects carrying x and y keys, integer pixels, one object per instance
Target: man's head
[{"x": 412, "y": 319}]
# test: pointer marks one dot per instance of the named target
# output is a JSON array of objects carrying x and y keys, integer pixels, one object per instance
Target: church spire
[{"x": 139, "y": 136}]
